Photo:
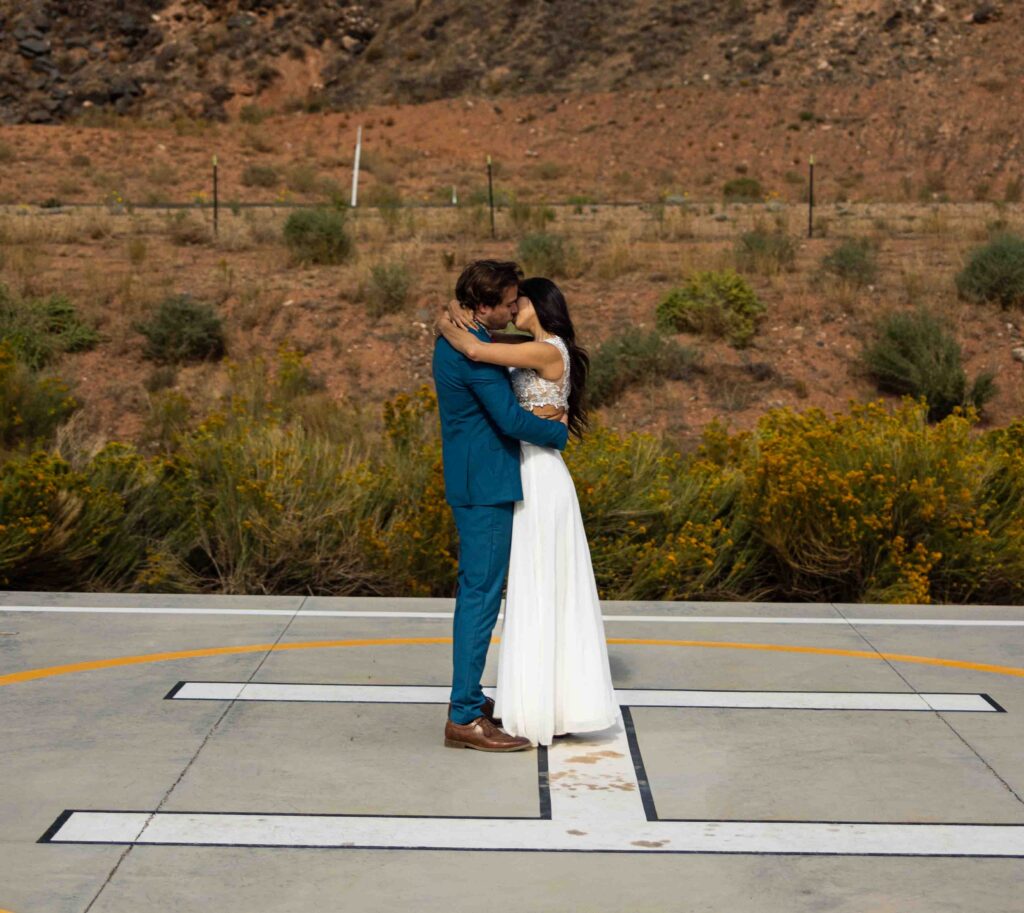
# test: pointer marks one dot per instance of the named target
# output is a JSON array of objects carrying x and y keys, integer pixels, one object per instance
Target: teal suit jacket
[{"x": 481, "y": 426}]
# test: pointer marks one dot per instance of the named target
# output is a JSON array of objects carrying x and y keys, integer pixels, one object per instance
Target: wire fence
[{"x": 671, "y": 220}]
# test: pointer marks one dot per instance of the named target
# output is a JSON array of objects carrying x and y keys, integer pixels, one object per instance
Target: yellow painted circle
[{"x": 91, "y": 665}]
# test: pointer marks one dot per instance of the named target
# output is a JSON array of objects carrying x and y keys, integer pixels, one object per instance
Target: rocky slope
[{"x": 208, "y": 59}]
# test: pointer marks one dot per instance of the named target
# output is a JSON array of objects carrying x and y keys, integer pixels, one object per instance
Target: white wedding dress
[{"x": 553, "y": 673}]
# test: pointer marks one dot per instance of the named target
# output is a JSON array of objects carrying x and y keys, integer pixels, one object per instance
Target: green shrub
[
  {"x": 137, "y": 250},
  {"x": 855, "y": 261},
  {"x": 32, "y": 406},
  {"x": 185, "y": 229},
  {"x": 481, "y": 196},
  {"x": 388, "y": 201},
  {"x": 743, "y": 190},
  {"x": 383, "y": 196},
  {"x": 252, "y": 114},
  {"x": 182, "y": 329},
  {"x": 715, "y": 304},
  {"x": 388, "y": 289},
  {"x": 318, "y": 235},
  {"x": 550, "y": 171},
  {"x": 636, "y": 357},
  {"x": 765, "y": 251},
  {"x": 525, "y": 217},
  {"x": 578, "y": 201},
  {"x": 260, "y": 176},
  {"x": 995, "y": 272},
  {"x": 544, "y": 255},
  {"x": 303, "y": 179},
  {"x": 40, "y": 329},
  {"x": 915, "y": 354},
  {"x": 160, "y": 378}
]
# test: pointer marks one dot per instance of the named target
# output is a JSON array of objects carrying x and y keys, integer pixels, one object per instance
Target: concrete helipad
[{"x": 184, "y": 753}]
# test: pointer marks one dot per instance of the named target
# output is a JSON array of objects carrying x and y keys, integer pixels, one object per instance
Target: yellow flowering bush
[
  {"x": 653, "y": 527},
  {"x": 409, "y": 534},
  {"x": 879, "y": 505},
  {"x": 268, "y": 494}
]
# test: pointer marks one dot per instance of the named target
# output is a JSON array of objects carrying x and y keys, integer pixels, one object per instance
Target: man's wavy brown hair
[{"x": 483, "y": 282}]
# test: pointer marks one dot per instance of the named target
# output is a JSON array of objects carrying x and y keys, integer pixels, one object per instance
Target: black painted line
[
  {"x": 543, "y": 783},
  {"x": 638, "y": 765},
  {"x": 992, "y": 701},
  {"x": 503, "y": 849},
  {"x": 56, "y": 826},
  {"x": 170, "y": 694}
]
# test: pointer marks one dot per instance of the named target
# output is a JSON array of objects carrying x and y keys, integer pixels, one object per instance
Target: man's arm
[{"x": 491, "y": 387}]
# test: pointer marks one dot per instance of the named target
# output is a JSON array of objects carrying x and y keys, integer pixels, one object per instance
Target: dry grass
[{"x": 116, "y": 266}]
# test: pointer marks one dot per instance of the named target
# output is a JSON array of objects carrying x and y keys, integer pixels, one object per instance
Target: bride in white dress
[{"x": 553, "y": 673}]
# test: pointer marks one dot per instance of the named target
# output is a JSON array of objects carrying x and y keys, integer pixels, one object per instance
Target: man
[{"x": 481, "y": 426}]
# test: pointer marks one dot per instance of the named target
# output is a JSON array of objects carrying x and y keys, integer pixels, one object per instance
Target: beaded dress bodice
[{"x": 533, "y": 390}]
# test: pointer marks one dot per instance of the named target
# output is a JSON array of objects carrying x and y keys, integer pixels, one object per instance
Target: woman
[{"x": 553, "y": 674}]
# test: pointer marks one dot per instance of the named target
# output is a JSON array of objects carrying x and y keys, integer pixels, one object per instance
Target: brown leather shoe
[
  {"x": 482, "y": 735},
  {"x": 487, "y": 711}
]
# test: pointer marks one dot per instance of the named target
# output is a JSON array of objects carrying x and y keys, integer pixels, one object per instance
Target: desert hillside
[
  {"x": 614, "y": 128},
  {"x": 206, "y": 59}
]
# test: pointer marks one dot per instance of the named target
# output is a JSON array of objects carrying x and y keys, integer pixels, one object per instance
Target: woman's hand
[
  {"x": 461, "y": 316},
  {"x": 440, "y": 318}
]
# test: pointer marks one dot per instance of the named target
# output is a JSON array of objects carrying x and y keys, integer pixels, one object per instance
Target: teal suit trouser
[{"x": 485, "y": 540}]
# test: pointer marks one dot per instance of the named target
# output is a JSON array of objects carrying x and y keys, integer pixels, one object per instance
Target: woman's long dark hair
[{"x": 553, "y": 315}]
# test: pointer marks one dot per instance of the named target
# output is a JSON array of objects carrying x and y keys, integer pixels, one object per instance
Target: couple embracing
[{"x": 508, "y": 402}]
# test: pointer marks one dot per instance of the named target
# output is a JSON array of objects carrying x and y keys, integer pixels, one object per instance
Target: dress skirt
[{"x": 553, "y": 674}]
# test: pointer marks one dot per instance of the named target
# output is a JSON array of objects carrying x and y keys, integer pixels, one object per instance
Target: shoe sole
[{"x": 454, "y": 743}]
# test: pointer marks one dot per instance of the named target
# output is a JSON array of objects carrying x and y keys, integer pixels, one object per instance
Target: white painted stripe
[
  {"x": 104, "y": 827},
  {"x": 807, "y": 700},
  {"x": 758, "y": 837},
  {"x": 437, "y": 694},
  {"x": 647, "y": 619},
  {"x": 756, "y": 620},
  {"x": 160, "y": 610},
  {"x": 260, "y": 691},
  {"x": 593, "y": 782}
]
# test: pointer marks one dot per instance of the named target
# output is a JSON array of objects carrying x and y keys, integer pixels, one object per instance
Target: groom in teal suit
[{"x": 481, "y": 426}]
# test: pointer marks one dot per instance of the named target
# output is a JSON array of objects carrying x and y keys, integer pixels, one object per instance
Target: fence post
[
  {"x": 810, "y": 201},
  {"x": 355, "y": 166},
  {"x": 490, "y": 192},
  {"x": 215, "y": 194}
]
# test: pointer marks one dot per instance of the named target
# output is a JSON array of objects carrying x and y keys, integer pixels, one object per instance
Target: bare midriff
[{"x": 547, "y": 411}]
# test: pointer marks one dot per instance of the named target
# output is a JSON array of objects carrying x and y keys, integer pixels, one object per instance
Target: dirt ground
[{"x": 874, "y": 179}]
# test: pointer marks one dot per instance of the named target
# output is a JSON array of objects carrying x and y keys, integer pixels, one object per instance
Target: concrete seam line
[
  {"x": 191, "y": 761},
  {"x": 1003, "y": 782}
]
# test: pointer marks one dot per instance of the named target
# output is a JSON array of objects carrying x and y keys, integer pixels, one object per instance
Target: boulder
[
  {"x": 126, "y": 87},
  {"x": 34, "y": 47}
]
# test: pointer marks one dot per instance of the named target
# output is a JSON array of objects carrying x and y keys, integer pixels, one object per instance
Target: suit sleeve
[{"x": 491, "y": 387}]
